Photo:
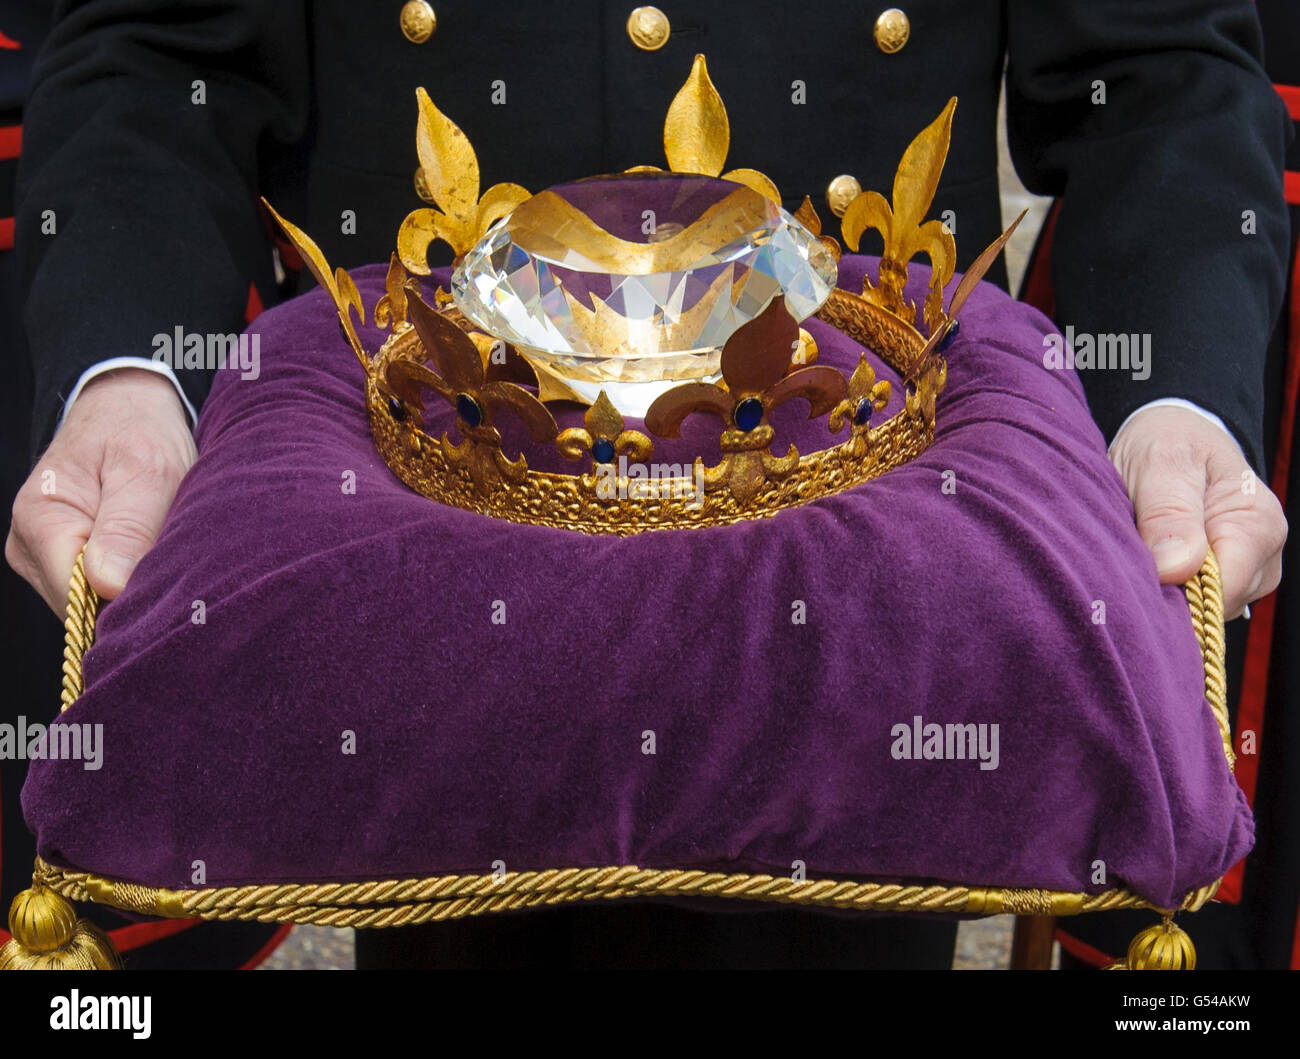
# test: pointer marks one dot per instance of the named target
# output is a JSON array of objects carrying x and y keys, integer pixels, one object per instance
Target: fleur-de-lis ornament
[
  {"x": 461, "y": 380},
  {"x": 865, "y": 398},
  {"x": 946, "y": 326},
  {"x": 603, "y": 437},
  {"x": 901, "y": 225},
  {"x": 450, "y": 169},
  {"x": 755, "y": 363},
  {"x": 390, "y": 310}
]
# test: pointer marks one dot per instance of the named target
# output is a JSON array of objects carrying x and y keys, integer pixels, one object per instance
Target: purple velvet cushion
[{"x": 371, "y": 613}]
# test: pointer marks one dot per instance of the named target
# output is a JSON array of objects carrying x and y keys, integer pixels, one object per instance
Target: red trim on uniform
[
  {"x": 1291, "y": 390},
  {"x": 1081, "y": 950},
  {"x": 6, "y": 233},
  {"x": 11, "y": 141},
  {"x": 267, "y": 949},
  {"x": 1259, "y": 640},
  {"x": 254, "y": 307},
  {"x": 1291, "y": 187},
  {"x": 1291, "y": 97},
  {"x": 9, "y": 44},
  {"x": 289, "y": 256},
  {"x": 1295, "y": 945},
  {"x": 137, "y": 935},
  {"x": 1036, "y": 289}
]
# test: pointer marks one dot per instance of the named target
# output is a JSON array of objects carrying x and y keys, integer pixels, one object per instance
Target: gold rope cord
[
  {"x": 78, "y": 630},
  {"x": 1205, "y": 601},
  {"x": 403, "y": 902}
]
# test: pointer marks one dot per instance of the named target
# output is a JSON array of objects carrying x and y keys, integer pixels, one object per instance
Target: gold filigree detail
[
  {"x": 1027, "y": 902},
  {"x": 562, "y": 502}
]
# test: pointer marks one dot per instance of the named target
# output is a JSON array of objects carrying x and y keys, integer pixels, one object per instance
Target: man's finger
[
  {"x": 58, "y": 555},
  {"x": 48, "y": 530},
  {"x": 1247, "y": 573},
  {"x": 131, "y": 513},
  {"x": 1170, "y": 508},
  {"x": 50, "y": 573},
  {"x": 1240, "y": 571}
]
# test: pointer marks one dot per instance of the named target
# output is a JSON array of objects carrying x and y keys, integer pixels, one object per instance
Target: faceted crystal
[{"x": 632, "y": 283}]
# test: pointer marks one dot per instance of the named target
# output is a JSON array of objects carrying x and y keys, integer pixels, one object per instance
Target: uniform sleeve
[
  {"x": 137, "y": 209},
  {"x": 1153, "y": 236}
]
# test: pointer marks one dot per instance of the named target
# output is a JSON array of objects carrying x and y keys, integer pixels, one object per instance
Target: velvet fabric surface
[{"x": 729, "y": 699}]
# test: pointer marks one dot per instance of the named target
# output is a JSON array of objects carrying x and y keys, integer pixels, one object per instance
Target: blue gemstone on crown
[
  {"x": 603, "y": 450},
  {"x": 468, "y": 409},
  {"x": 947, "y": 339},
  {"x": 748, "y": 414},
  {"x": 862, "y": 414}
]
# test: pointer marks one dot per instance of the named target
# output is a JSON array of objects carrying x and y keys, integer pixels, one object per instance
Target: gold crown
[{"x": 435, "y": 348}]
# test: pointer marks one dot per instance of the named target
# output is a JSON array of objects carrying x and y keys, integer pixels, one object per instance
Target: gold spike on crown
[{"x": 435, "y": 349}]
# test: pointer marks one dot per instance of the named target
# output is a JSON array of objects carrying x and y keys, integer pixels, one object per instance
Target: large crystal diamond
[{"x": 632, "y": 283}]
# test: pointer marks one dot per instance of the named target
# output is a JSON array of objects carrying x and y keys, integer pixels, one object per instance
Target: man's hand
[
  {"x": 105, "y": 482},
  {"x": 1191, "y": 486}
]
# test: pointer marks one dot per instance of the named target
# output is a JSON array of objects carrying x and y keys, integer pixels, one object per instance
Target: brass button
[
  {"x": 648, "y": 28},
  {"x": 422, "y": 186},
  {"x": 891, "y": 30},
  {"x": 418, "y": 21},
  {"x": 840, "y": 192}
]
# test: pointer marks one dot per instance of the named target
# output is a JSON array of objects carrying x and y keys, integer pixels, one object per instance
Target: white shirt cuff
[
  {"x": 1178, "y": 402},
  {"x": 112, "y": 364}
]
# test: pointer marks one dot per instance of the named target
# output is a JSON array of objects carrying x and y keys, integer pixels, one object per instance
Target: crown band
[{"x": 573, "y": 502}]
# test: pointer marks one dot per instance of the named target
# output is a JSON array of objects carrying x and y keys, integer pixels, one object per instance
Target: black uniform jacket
[{"x": 313, "y": 104}]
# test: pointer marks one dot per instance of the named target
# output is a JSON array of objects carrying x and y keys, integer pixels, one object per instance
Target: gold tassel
[
  {"x": 48, "y": 936},
  {"x": 1164, "y": 947}
]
